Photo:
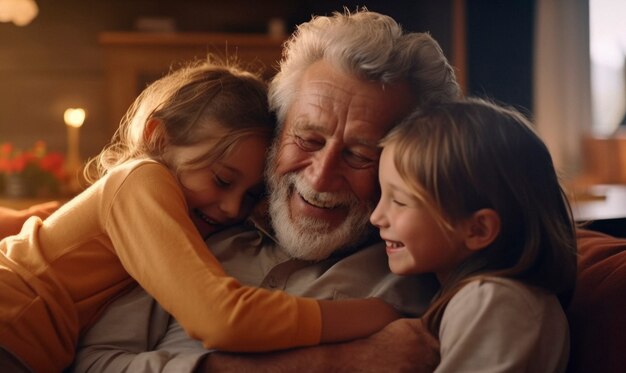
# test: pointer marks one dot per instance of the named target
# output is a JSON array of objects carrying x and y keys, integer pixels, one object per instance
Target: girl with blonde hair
[{"x": 187, "y": 160}]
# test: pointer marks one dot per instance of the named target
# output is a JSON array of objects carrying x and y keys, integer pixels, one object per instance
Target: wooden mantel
[{"x": 134, "y": 59}]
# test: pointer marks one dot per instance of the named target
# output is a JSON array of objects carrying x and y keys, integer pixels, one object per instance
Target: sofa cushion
[{"x": 597, "y": 313}]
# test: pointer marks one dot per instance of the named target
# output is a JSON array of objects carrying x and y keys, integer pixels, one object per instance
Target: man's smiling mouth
[{"x": 315, "y": 202}]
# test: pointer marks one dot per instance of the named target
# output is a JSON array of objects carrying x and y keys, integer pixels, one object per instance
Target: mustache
[{"x": 297, "y": 183}]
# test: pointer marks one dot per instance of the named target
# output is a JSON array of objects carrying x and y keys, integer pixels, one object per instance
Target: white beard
[{"x": 309, "y": 238}]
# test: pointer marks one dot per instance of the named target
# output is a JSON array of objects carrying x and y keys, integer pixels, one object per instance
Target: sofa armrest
[{"x": 597, "y": 313}]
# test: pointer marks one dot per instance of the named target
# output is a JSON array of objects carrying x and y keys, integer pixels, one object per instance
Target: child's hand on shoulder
[
  {"x": 11, "y": 220},
  {"x": 43, "y": 210}
]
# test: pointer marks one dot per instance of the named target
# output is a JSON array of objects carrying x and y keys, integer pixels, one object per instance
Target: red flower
[
  {"x": 53, "y": 163},
  {"x": 5, "y": 165},
  {"x": 5, "y": 150},
  {"x": 37, "y": 164}
]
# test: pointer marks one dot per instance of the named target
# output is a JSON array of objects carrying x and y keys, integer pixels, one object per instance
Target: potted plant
[{"x": 34, "y": 172}]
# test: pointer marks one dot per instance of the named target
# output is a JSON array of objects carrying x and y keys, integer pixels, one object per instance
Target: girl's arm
[{"x": 157, "y": 243}]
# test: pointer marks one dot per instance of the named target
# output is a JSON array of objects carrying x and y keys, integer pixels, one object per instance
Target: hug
[{"x": 356, "y": 213}]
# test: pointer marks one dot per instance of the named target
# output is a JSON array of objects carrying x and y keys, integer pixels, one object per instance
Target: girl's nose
[
  {"x": 377, "y": 217},
  {"x": 231, "y": 206}
]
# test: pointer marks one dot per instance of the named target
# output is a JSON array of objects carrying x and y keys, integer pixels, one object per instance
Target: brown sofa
[{"x": 597, "y": 313}]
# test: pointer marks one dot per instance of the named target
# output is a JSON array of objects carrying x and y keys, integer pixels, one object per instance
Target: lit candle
[{"x": 74, "y": 119}]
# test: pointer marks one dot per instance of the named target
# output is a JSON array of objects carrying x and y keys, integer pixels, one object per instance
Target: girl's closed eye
[{"x": 221, "y": 181}]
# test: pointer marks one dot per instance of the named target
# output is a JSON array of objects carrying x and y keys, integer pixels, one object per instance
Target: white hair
[{"x": 370, "y": 46}]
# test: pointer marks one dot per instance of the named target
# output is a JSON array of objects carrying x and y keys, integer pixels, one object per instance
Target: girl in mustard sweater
[{"x": 187, "y": 159}]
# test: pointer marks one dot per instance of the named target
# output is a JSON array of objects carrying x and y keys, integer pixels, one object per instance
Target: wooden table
[{"x": 602, "y": 207}]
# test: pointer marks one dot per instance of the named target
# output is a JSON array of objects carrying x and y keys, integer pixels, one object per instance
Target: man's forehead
[
  {"x": 329, "y": 100},
  {"x": 329, "y": 96},
  {"x": 356, "y": 132},
  {"x": 325, "y": 82}
]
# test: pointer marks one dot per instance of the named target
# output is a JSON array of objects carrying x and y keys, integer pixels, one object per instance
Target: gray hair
[{"x": 370, "y": 46}]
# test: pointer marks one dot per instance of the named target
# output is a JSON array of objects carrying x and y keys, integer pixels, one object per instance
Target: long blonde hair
[
  {"x": 472, "y": 154},
  {"x": 190, "y": 102}
]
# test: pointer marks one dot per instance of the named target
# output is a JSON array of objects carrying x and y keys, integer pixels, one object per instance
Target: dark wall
[
  {"x": 433, "y": 16},
  {"x": 56, "y": 61},
  {"x": 500, "y": 50}
]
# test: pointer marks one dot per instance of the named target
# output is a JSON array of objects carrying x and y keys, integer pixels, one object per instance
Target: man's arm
[{"x": 403, "y": 346}]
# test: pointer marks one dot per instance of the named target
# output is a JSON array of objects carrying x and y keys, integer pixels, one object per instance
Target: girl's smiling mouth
[{"x": 205, "y": 218}]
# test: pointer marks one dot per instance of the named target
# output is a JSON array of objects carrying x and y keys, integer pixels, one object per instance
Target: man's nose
[{"x": 324, "y": 172}]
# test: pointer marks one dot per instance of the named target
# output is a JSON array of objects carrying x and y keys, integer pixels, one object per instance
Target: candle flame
[{"x": 74, "y": 117}]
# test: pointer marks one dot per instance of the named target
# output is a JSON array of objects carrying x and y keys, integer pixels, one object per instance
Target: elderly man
[{"x": 344, "y": 82}]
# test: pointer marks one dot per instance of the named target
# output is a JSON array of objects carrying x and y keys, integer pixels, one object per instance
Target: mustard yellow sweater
[{"x": 56, "y": 276}]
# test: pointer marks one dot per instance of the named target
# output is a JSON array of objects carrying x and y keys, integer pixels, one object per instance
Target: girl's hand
[
  {"x": 43, "y": 210},
  {"x": 11, "y": 220}
]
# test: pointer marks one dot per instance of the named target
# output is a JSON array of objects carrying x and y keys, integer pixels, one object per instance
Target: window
[{"x": 608, "y": 70}]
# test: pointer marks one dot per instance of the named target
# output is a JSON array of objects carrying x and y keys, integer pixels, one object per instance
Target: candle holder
[{"x": 74, "y": 119}]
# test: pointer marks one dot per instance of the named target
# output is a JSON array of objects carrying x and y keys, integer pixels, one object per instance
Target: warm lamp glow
[
  {"x": 74, "y": 117},
  {"x": 20, "y": 12}
]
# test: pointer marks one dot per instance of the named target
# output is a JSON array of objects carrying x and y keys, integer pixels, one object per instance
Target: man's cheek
[
  {"x": 290, "y": 158},
  {"x": 365, "y": 185}
]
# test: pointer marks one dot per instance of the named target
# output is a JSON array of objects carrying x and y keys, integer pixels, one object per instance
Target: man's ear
[{"x": 482, "y": 228}]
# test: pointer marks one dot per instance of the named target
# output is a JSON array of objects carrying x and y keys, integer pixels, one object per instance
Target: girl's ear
[
  {"x": 154, "y": 134},
  {"x": 482, "y": 228}
]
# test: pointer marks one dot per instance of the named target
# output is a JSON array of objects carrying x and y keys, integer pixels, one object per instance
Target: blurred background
[{"x": 533, "y": 54}]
